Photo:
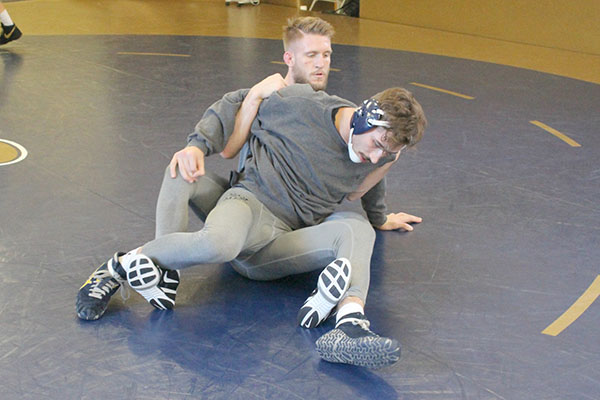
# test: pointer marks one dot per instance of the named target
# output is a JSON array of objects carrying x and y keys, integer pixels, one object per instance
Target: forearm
[
  {"x": 248, "y": 111},
  {"x": 373, "y": 202},
  {"x": 371, "y": 180},
  {"x": 243, "y": 122}
]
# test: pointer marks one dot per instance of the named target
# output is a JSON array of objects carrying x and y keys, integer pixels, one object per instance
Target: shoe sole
[
  {"x": 333, "y": 283},
  {"x": 371, "y": 352},
  {"x": 145, "y": 278},
  {"x": 142, "y": 273}
]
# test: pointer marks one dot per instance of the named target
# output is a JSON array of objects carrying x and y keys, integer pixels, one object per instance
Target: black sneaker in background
[{"x": 9, "y": 33}]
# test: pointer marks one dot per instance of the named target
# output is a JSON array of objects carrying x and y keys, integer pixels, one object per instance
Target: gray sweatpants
[{"x": 239, "y": 229}]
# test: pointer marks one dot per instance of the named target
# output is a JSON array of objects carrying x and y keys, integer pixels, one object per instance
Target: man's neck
[
  {"x": 342, "y": 122},
  {"x": 289, "y": 78}
]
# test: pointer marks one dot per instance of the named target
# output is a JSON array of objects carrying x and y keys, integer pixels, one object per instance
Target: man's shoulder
[
  {"x": 304, "y": 90},
  {"x": 297, "y": 89},
  {"x": 236, "y": 95}
]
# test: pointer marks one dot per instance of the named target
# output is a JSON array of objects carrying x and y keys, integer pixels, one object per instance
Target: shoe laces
[
  {"x": 124, "y": 292},
  {"x": 98, "y": 289},
  {"x": 363, "y": 323}
]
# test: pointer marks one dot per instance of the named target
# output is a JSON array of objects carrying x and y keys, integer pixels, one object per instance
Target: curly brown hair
[{"x": 404, "y": 114}]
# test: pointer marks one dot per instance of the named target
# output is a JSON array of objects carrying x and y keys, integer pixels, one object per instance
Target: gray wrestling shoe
[{"x": 352, "y": 342}]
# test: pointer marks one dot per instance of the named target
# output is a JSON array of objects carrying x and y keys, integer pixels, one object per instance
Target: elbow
[
  {"x": 354, "y": 196},
  {"x": 226, "y": 154}
]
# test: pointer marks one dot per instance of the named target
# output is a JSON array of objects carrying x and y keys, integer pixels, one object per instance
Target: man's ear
[{"x": 288, "y": 58}]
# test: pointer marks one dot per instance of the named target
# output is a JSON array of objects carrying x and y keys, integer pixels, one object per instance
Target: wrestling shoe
[
  {"x": 9, "y": 33},
  {"x": 93, "y": 296},
  {"x": 157, "y": 286},
  {"x": 333, "y": 283},
  {"x": 352, "y": 342}
]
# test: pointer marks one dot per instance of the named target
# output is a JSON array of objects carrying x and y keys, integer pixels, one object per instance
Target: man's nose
[
  {"x": 319, "y": 62},
  {"x": 376, "y": 156}
]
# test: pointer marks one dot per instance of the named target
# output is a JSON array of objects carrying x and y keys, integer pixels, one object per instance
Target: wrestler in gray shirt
[
  {"x": 299, "y": 172},
  {"x": 299, "y": 168},
  {"x": 280, "y": 218}
]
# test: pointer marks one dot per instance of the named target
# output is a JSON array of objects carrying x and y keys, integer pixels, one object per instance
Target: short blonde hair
[
  {"x": 404, "y": 114},
  {"x": 297, "y": 27}
]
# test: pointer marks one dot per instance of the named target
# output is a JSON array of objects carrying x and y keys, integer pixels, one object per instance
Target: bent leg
[
  {"x": 216, "y": 242},
  {"x": 238, "y": 224},
  {"x": 152, "y": 269},
  {"x": 176, "y": 195},
  {"x": 343, "y": 234}
]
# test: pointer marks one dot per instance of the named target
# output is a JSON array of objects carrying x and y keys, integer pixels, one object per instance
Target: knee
[
  {"x": 361, "y": 229},
  {"x": 227, "y": 253},
  {"x": 220, "y": 246},
  {"x": 365, "y": 227},
  {"x": 170, "y": 182}
]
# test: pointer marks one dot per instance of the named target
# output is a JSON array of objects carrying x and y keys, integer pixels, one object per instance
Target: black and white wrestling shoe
[
  {"x": 158, "y": 286},
  {"x": 333, "y": 283}
]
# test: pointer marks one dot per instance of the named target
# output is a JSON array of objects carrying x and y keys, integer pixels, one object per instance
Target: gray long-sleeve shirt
[{"x": 299, "y": 168}]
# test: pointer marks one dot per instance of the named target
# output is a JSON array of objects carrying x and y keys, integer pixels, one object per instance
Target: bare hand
[
  {"x": 400, "y": 221},
  {"x": 191, "y": 163},
  {"x": 267, "y": 86}
]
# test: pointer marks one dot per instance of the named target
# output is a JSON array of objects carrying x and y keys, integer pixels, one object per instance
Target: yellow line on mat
[
  {"x": 281, "y": 62},
  {"x": 556, "y": 133},
  {"x": 464, "y": 96},
  {"x": 575, "y": 311},
  {"x": 152, "y": 54}
]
